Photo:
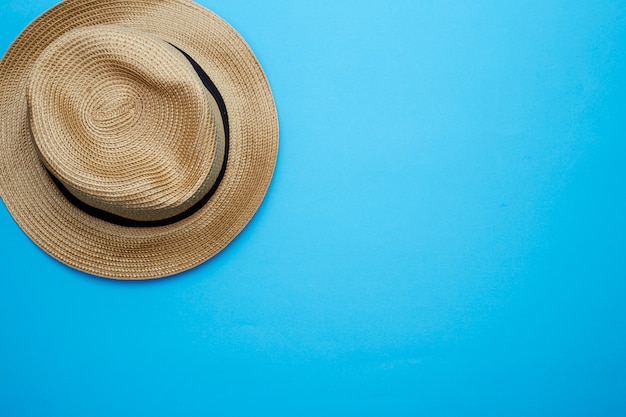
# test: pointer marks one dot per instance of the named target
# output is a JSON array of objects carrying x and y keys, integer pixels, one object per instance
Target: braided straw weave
[{"x": 97, "y": 94}]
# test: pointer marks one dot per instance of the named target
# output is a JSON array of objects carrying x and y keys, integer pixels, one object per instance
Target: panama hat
[{"x": 137, "y": 138}]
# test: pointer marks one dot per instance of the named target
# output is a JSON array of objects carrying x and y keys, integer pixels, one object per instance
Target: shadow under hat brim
[{"x": 102, "y": 248}]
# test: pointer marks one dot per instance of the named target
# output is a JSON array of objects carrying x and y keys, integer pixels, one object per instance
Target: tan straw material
[{"x": 137, "y": 139}]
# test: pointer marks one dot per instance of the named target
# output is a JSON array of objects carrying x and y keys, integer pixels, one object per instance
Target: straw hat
[{"x": 137, "y": 138}]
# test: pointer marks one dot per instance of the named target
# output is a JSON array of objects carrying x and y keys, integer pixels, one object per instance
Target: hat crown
[{"x": 124, "y": 123}]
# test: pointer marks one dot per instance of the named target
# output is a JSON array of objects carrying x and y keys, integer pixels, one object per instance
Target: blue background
[{"x": 444, "y": 234}]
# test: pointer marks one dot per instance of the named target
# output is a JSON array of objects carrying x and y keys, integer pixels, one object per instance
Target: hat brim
[{"x": 106, "y": 249}]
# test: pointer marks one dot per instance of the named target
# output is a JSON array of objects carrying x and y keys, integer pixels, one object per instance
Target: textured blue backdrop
[{"x": 444, "y": 235}]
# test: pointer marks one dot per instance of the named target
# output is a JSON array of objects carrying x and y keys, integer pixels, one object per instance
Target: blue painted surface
[{"x": 444, "y": 234}]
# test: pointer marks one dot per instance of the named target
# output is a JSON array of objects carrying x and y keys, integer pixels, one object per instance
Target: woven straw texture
[{"x": 176, "y": 138}]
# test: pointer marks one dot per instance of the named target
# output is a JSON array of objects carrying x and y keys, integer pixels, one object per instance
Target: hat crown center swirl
[
  {"x": 115, "y": 109},
  {"x": 122, "y": 120}
]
